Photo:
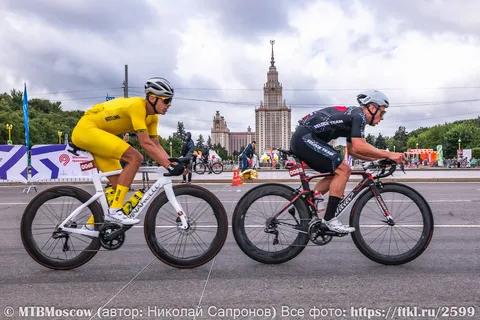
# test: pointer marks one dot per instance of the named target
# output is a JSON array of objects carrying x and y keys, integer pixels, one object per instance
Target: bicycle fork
[
  {"x": 381, "y": 204},
  {"x": 171, "y": 198}
]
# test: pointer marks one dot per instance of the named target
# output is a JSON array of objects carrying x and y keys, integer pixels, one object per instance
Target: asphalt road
[{"x": 331, "y": 282}]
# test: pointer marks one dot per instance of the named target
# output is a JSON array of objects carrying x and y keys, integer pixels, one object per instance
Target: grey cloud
[
  {"x": 251, "y": 18},
  {"x": 424, "y": 15},
  {"x": 108, "y": 17}
]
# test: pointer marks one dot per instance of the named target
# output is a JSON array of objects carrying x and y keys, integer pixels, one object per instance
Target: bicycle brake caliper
[{"x": 183, "y": 219}]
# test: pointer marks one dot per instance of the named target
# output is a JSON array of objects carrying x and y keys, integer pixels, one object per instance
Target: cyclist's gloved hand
[{"x": 176, "y": 169}]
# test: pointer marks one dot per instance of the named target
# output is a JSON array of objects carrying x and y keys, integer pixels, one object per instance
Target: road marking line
[
  {"x": 123, "y": 288},
  {"x": 234, "y": 201},
  {"x": 436, "y": 226}
]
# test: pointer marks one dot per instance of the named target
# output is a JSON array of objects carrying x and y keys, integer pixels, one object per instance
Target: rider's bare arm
[
  {"x": 358, "y": 156},
  {"x": 360, "y": 147},
  {"x": 153, "y": 148}
]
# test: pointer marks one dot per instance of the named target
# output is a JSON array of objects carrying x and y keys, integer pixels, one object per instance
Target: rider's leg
[
  {"x": 323, "y": 185},
  {"x": 337, "y": 188},
  {"x": 134, "y": 159},
  {"x": 244, "y": 163},
  {"x": 190, "y": 168}
]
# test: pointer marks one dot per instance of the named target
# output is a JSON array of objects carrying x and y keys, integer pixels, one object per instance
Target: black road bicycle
[
  {"x": 201, "y": 166},
  {"x": 272, "y": 223}
]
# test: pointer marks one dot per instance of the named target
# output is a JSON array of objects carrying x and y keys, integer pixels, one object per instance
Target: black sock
[
  {"x": 189, "y": 177},
  {"x": 331, "y": 207}
]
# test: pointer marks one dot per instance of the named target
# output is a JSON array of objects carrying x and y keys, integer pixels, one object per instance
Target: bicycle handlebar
[
  {"x": 182, "y": 160},
  {"x": 385, "y": 167}
]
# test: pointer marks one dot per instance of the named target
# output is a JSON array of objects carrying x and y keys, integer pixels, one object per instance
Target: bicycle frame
[
  {"x": 367, "y": 181},
  {"x": 162, "y": 183}
]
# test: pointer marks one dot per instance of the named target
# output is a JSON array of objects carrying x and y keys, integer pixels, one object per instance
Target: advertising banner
[
  {"x": 56, "y": 162},
  {"x": 13, "y": 163},
  {"x": 440, "y": 155}
]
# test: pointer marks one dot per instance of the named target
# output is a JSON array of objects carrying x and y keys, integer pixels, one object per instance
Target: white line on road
[
  {"x": 234, "y": 201},
  {"x": 436, "y": 226}
]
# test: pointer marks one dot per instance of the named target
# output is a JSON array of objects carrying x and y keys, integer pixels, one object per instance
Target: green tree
[
  {"x": 221, "y": 151},
  {"x": 200, "y": 142},
  {"x": 380, "y": 142},
  {"x": 209, "y": 142},
  {"x": 476, "y": 153},
  {"x": 399, "y": 139},
  {"x": 181, "y": 133},
  {"x": 370, "y": 139}
]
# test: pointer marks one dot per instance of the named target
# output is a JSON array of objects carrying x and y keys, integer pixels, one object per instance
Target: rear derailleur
[{"x": 271, "y": 227}]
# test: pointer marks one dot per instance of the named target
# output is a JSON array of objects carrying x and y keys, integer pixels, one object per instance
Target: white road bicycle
[{"x": 185, "y": 225}]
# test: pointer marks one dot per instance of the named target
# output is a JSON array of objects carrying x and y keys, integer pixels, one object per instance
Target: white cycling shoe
[
  {"x": 336, "y": 226},
  {"x": 117, "y": 216}
]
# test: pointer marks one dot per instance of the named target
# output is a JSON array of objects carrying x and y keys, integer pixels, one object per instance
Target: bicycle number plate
[{"x": 296, "y": 170}]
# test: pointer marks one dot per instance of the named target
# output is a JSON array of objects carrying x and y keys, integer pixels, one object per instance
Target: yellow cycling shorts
[{"x": 106, "y": 148}]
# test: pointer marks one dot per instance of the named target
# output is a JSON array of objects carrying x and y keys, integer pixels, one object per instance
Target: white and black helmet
[
  {"x": 373, "y": 96},
  {"x": 159, "y": 87}
]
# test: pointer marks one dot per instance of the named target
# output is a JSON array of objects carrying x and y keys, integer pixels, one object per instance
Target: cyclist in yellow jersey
[{"x": 97, "y": 133}]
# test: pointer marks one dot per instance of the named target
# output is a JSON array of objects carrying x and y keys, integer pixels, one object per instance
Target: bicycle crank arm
[{"x": 116, "y": 233}]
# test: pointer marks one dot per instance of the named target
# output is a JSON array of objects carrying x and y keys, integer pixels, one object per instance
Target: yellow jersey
[{"x": 123, "y": 115}]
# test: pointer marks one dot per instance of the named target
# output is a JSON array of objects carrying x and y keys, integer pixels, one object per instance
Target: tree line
[
  {"x": 464, "y": 134},
  {"x": 47, "y": 118}
]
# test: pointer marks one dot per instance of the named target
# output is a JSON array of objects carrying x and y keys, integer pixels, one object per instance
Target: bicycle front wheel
[
  {"x": 51, "y": 247},
  {"x": 261, "y": 236},
  {"x": 199, "y": 168},
  {"x": 195, "y": 246},
  {"x": 397, "y": 244},
  {"x": 217, "y": 168}
]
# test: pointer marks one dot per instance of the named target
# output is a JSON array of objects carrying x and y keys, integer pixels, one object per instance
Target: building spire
[{"x": 272, "y": 61}]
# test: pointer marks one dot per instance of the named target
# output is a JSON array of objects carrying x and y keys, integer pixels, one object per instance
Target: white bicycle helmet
[
  {"x": 373, "y": 96},
  {"x": 159, "y": 87}
]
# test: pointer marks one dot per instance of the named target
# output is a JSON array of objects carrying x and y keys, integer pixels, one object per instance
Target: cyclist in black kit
[{"x": 315, "y": 130}]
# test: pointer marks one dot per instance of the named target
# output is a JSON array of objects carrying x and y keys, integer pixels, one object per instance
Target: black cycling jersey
[{"x": 337, "y": 121}]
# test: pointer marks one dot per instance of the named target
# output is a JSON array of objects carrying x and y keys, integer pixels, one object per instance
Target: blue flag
[{"x": 25, "y": 117}]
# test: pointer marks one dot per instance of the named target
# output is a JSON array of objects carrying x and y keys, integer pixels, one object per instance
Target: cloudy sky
[{"x": 425, "y": 55}]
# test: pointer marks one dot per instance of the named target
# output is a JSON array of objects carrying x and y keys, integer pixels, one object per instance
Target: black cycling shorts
[{"x": 315, "y": 152}]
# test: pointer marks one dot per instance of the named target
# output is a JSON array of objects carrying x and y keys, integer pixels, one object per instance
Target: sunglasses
[
  {"x": 382, "y": 112},
  {"x": 166, "y": 100}
]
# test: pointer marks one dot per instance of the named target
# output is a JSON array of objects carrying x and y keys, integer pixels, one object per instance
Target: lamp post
[
  {"x": 59, "y": 137},
  {"x": 393, "y": 148},
  {"x": 459, "y": 144},
  {"x": 9, "y": 127},
  {"x": 170, "y": 148}
]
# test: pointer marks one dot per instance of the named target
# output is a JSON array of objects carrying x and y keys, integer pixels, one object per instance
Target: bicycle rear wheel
[
  {"x": 199, "y": 168},
  {"x": 255, "y": 230},
  {"x": 386, "y": 244},
  {"x": 207, "y": 232},
  {"x": 217, "y": 168},
  {"x": 56, "y": 249}
]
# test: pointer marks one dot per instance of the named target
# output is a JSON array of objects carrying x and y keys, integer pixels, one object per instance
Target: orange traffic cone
[{"x": 237, "y": 180}]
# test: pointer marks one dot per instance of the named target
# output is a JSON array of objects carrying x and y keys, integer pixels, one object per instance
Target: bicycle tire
[
  {"x": 239, "y": 228},
  {"x": 399, "y": 191},
  {"x": 217, "y": 168},
  {"x": 159, "y": 248},
  {"x": 33, "y": 209},
  {"x": 199, "y": 168}
]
